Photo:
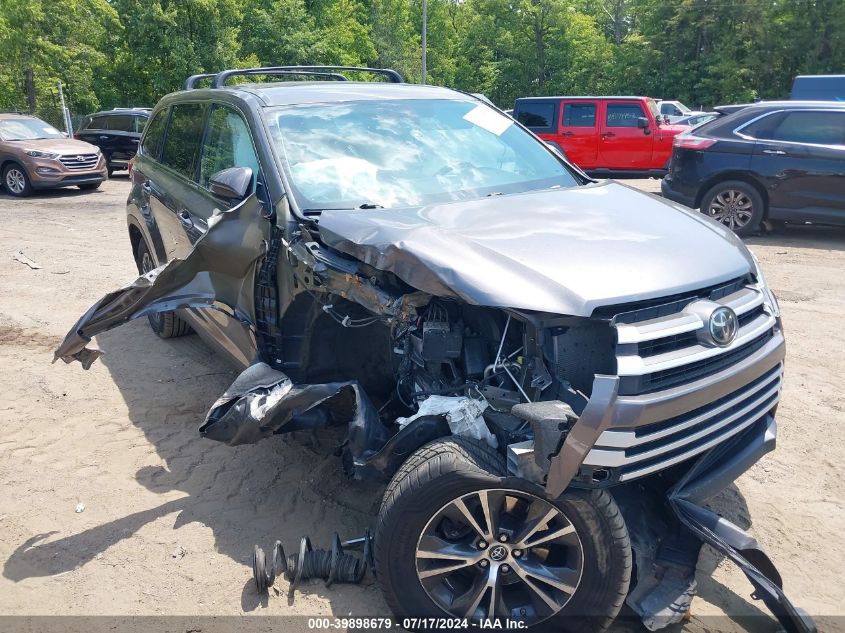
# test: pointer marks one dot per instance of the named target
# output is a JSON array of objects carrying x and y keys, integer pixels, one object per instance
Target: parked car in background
[
  {"x": 116, "y": 132},
  {"x": 781, "y": 161},
  {"x": 818, "y": 88},
  {"x": 697, "y": 119},
  {"x": 35, "y": 155},
  {"x": 676, "y": 110},
  {"x": 602, "y": 134}
]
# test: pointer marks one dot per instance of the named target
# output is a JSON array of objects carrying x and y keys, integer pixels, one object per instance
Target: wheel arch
[{"x": 733, "y": 175}]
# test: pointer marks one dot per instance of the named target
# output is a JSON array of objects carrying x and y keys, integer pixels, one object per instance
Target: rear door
[
  {"x": 123, "y": 139},
  {"x": 623, "y": 145},
  {"x": 95, "y": 132},
  {"x": 578, "y": 132},
  {"x": 801, "y": 155}
]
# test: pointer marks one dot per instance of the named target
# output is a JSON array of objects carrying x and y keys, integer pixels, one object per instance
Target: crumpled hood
[{"x": 565, "y": 251}]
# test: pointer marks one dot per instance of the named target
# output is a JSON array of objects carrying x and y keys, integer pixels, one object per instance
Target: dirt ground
[{"x": 170, "y": 519}]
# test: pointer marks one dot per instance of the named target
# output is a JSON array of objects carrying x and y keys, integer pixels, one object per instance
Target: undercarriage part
[{"x": 333, "y": 565}]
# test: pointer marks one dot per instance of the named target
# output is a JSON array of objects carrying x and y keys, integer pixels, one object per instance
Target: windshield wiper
[{"x": 370, "y": 205}]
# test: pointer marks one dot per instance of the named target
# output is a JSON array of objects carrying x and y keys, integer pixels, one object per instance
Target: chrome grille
[
  {"x": 662, "y": 349},
  {"x": 646, "y": 449},
  {"x": 79, "y": 161},
  {"x": 665, "y": 351}
]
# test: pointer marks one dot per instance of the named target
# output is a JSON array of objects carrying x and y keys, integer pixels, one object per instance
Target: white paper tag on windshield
[{"x": 488, "y": 119}]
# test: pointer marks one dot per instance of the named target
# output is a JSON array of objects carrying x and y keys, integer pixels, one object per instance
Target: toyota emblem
[
  {"x": 498, "y": 553},
  {"x": 723, "y": 326}
]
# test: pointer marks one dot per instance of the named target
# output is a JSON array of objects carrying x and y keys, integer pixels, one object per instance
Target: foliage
[{"x": 111, "y": 53}]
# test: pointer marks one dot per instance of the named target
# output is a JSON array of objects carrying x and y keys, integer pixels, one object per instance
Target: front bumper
[{"x": 46, "y": 173}]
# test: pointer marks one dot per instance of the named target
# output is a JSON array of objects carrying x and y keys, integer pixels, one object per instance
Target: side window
[
  {"x": 228, "y": 143},
  {"x": 119, "y": 123},
  {"x": 536, "y": 115},
  {"x": 184, "y": 135},
  {"x": 820, "y": 128},
  {"x": 151, "y": 142},
  {"x": 623, "y": 114},
  {"x": 579, "y": 115},
  {"x": 138, "y": 123},
  {"x": 96, "y": 123}
]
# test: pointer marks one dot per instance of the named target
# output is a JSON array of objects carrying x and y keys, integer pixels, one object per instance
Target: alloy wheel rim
[
  {"x": 15, "y": 180},
  {"x": 500, "y": 553},
  {"x": 732, "y": 207},
  {"x": 147, "y": 265}
]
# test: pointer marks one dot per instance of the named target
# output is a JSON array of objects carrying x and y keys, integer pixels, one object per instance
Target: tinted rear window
[
  {"x": 120, "y": 123},
  {"x": 536, "y": 115},
  {"x": 820, "y": 128},
  {"x": 579, "y": 115},
  {"x": 184, "y": 135}
]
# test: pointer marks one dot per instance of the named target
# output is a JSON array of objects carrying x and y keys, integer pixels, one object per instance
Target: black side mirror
[
  {"x": 232, "y": 184},
  {"x": 642, "y": 122}
]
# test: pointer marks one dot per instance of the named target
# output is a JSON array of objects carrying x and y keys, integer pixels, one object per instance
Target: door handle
[
  {"x": 185, "y": 218},
  {"x": 104, "y": 138},
  {"x": 568, "y": 134},
  {"x": 607, "y": 134},
  {"x": 146, "y": 186},
  {"x": 777, "y": 152}
]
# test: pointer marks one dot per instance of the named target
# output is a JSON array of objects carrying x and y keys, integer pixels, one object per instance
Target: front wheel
[
  {"x": 165, "y": 324},
  {"x": 17, "y": 181},
  {"x": 736, "y": 204},
  {"x": 457, "y": 538}
]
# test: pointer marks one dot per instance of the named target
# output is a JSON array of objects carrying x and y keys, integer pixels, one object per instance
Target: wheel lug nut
[
  {"x": 482, "y": 544},
  {"x": 506, "y": 568},
  {"x": 503, "y": 538},
  {"x": 484, "y": 563},
  {"x": 516, "y": 553}
]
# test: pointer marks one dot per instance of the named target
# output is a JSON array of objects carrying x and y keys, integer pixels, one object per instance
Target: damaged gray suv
[{"x": 553, "y": 373}]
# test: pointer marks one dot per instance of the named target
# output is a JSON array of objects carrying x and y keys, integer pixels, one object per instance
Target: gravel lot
[{"x": 169, "y": 519}]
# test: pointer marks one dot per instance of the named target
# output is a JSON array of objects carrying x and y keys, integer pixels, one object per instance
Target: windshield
[
  {"x": 399, "y": 153},
  {"x": 27, "y": 130}
]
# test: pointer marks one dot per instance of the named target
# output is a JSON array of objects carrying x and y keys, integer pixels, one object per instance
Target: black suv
[
  {"x": 775, "y": 161},
  {"x": 553, "y": 373},
  {"x": 116, "y": 132}
]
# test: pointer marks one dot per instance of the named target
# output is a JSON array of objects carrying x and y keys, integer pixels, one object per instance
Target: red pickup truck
[{"x": 617, "y": 134}]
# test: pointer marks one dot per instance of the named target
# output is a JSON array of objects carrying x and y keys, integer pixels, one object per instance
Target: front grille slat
[
  {"x": 73, "y": 162},
  {"x": 664, "y": 345},
  {"x": 645, "y": 449}
]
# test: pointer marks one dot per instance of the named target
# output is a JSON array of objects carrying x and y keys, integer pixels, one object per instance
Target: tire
[
  {"x": 736, "y": 204},
  {"x": 91, "y": 186},
  {"x": 457, "y": 468},
  {"x": 16, "y": 181},
  {"x": 165, "y": 324}
]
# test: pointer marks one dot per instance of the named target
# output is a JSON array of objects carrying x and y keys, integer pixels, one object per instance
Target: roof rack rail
[
  {"x": 192, "y": 81},
  {"x": 221, "y": 78},
  {"x": 313, "y": 71}
]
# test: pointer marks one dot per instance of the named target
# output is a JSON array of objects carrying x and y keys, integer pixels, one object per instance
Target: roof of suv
[
  {"x": 594, "y": 98},
  {"x": 17, "y": 115},
  {"x": 300, "y": 92}
]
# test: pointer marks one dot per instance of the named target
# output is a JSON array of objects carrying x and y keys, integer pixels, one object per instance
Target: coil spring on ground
[{"x": 331, "y": 565}]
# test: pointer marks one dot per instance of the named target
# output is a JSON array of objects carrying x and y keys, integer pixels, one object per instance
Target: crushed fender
[
  {"x": 263, "y": 401},
  {"x": 218, "y": 272}
]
